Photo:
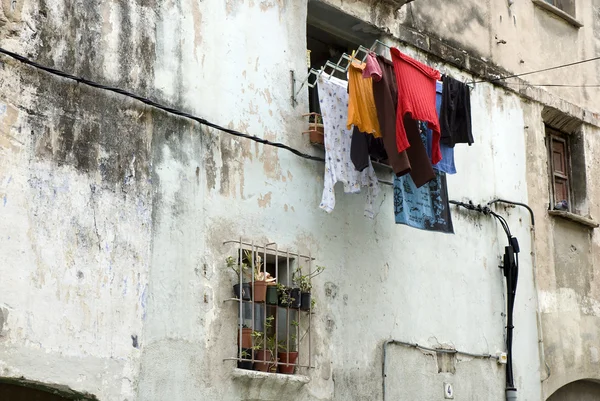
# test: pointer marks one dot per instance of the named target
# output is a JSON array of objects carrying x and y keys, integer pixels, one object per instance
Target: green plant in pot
[
  {"x": 261, "y": 278},
  {"x": 289, "y": 353},
  {"x": 264, "y": 348},
  {"x": 304, "y": 282},
  {"x": 242, "y": 291},
  {"x": 246, "y": 356},
  {"x": 285, "y": 297}
]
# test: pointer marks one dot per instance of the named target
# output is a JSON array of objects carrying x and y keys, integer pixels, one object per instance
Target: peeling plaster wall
[
  {"x": 518, "y": 38},
  {"x": 566, "y": 268},
  {"x": 113, "y": 215}
]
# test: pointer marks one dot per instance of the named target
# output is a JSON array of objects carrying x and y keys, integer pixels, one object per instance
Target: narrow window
[
  {"x": 272, "y": 291},
  {"x": 560, "y": 170},
  {"x": 567, "y": 6}
]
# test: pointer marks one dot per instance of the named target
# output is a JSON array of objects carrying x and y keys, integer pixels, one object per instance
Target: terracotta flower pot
[
  {"x": 287, "y": 357},
  {"x": 246, "y": 337},
  {"x": 260, "y": 291},
  {"x": 316, "y": 134},
  {"x": 261, "y": 365}
]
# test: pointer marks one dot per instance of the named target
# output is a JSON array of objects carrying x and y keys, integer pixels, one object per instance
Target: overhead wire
[
  {"x": 553, "y": 85},
  {"x": 538, "y": 71},
  {"x": 157, "y": 105}
]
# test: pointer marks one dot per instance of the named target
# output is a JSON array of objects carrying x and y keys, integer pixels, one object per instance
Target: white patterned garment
[{"x": 333, "y": 98}]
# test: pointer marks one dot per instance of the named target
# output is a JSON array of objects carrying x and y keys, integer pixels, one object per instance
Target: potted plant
[
  {"x": 246, "y": 336},
  {"x": 289, "y": 353},
  {"x": 246, "y": 359},
  {"x": 316, "y": 130},
  {"x": 272, "y": 297},
  {"x": 285, "y": 298},
  {"x": 264, "y": 351},
  {"x": 243, "y": 291},
  {"x": 261, "y": 278},
  {"x": 304, "y": 282}
]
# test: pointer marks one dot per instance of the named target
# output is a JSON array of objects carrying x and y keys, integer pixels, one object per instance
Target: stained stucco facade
[{"x": 113, "y": 214}]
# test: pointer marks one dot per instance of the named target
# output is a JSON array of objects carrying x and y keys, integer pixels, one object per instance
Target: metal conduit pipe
[{"x": 421, "y": 347}]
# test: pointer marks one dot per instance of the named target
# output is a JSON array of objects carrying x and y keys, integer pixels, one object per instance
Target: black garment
[
  {"x": 455, "y": 113},
  {"x": 363, "y": 147},
  {"x": 422, "y": 171}
]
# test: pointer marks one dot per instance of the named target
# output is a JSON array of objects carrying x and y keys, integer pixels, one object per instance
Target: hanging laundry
[
  {"x": 361, "y": 105},
  {"x": 416, "y": 98},
  {"x": 385, "y": 93},
  {"x": 422, "y": 170},
  {"x": 447, "y": 163},
  {"x": 426, "y": 208},
  {"x": 372, "y": 68},
  {"x": 333, "y": 98},
  {"x": 455, "y": 114},
  {"x": 366, "y": 147}
]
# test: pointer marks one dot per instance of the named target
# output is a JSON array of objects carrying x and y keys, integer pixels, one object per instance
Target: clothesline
[
  {"x": 342, "y": 66},
  {"x": 393, "y": 110},
  {"x": 338, "y": 66}
]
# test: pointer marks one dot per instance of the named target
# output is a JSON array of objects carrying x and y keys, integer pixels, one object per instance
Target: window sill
[
  {"x": 274, "y": 379},
  {"x": 558, "y": 12},
  {"x": 586, "y": 221}
]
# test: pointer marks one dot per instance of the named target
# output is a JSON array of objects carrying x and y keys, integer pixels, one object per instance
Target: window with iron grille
[{"x": 272, "y": 291}]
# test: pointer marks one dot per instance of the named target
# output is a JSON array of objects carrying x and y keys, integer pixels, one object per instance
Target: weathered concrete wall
[
  {"x": 577, "y": 391},
  {"x": 76, "y": 190},
  {"x": 566, "y": 268},
  {"x": 516, "y": 36},
  {"x": 566, "y": 253},
  {"x": 114, "y": 214}
]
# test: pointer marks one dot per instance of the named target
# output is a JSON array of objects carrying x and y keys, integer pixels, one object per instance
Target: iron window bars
[{"x": 271, "y": 250}]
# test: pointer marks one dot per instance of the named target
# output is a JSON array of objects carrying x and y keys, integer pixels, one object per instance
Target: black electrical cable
[
  {"x": 158, "y": 105},
  {"x": 511, "y": 273}
]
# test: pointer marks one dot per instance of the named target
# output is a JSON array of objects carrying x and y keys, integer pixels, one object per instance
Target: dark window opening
[
  {"x": 274, "y": 315},
  {"x": 331, "y": 33},
  {"x": 566, "y": 160},
  {"x": 567, "y": 6}
]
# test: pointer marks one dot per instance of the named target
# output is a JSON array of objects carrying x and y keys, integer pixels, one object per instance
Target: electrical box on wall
[{"x": 448, "y": 391}]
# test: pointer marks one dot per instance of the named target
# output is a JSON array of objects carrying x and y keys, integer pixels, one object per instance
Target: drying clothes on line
[
  {"x": 333, "y": 98},
  {"x": 422, "y": 170},
  {"x": 372, "y": 68},
  {"x": 361, "y": 105},
  {"x": 416, "y": 98},
  {"x": 427, "y": 207},
  {"x": 385, "y": 93},
  {"x": 447, "y": 163},
  {"x": 455, "y": 114},
  {"x": 366, "y": 147}
]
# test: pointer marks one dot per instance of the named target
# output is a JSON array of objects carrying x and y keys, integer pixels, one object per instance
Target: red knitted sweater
[{"x": 416, "y": 97}]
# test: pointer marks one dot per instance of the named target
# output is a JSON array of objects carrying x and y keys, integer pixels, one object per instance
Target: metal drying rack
[{"x": 341, "y": 66}]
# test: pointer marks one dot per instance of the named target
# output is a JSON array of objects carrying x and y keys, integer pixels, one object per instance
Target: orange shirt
[{"x": 361, "y": 105}]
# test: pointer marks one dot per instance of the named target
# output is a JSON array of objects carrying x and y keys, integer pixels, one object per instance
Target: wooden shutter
[{"x": 560, "y": 170}]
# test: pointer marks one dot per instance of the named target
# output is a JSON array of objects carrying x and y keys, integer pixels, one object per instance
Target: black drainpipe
[{"x": 511, "y": 273}]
